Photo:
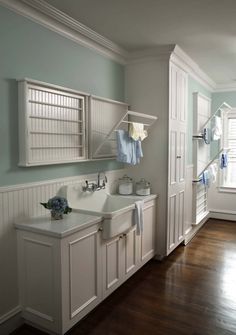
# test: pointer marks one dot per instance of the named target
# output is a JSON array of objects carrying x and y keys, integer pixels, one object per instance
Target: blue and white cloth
[
  {"x": 128, "y": 150},
  {"x": 224, "y": 161},
  {"x": 207, "y": 135},
  {"x": 138, "y": 216}
]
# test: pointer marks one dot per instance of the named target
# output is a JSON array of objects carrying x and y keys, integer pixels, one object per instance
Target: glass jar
[
  {"x": 125, "y": 185},
  {"x": 143, "y": 187}
]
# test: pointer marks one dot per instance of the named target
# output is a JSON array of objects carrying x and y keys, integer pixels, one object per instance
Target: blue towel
[
  {"x": 128, "y": 150},
  {"x": 205, "y": 178},
  {"x": 224, "y": 161},
  {"x": 207, "y": 135},
  {"x": 138, "y": 216}
]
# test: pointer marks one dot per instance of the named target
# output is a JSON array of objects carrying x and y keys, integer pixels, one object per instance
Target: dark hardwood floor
[{"x": 192, "y": 292}]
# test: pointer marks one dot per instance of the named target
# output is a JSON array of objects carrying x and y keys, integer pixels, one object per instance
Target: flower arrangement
[{"x": 58, "y": 206}]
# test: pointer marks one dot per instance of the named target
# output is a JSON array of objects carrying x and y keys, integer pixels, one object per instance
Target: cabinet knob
[
  {"x": 100, "y": 229},
  {"x": 178, "y": 156},
  {"x": 121, "y": 236}
]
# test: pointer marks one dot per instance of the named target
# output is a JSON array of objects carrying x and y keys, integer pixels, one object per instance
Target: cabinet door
[
  {"x": 148, "y": 234},
  {"x": 130, "y": 246},
  {"x": 113, "y": 254},
  {"x": 177, "y": 158},
  {"x": 81, "y": 274}
]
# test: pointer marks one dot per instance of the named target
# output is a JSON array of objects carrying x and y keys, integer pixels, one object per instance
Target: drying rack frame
[
  {"x": 221, "y": 108},
  {"x": 122, "y": 120},
  {"x": 197, "y": 180}
]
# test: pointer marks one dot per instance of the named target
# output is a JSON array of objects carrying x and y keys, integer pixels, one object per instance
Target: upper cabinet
[{"x": 52, "y": 124}]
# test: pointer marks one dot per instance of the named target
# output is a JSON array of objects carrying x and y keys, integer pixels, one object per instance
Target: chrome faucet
[
  {"x": 92, "y": 187},
  {"x": 103, "y": 185}
]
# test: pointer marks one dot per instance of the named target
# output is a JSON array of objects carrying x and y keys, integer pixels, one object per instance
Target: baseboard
[
  {"x": 194, "y": 230},
  {"x": 222, "y": 215},
  {"x": 10, "y": 321}
]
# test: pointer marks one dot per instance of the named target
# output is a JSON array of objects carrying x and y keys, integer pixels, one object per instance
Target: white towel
[
  {"x": 137, "y": 132},
  {"x": 216, "y": 128},
  {"x": 213, "y": 168},
  {"x": 138, "y": 216}
]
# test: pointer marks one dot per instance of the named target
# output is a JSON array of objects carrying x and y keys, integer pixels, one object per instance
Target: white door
[
  {"x": 177, "y": 157},
  {"x": 148, "y": 234},
  {"x": 112, "y": 259}
]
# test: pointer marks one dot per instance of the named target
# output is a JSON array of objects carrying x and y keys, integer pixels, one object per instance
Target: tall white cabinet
[
  {"x": 156, "y": 83},
  {"x": 177, "y": 157}
]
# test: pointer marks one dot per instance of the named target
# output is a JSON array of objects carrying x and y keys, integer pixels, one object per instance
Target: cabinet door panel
[
  {"x": 83, "y": 272},
  {"x": 112, "y": 272},
  {"x": 172, "y": 221},
  {"x": 181, "y": 216},
  {"x": 148, "y": 234},
  {"x": 182, "y": 150},
  {"x": 173, "y": 93},
  {"x": 173, "y": 155},
  {"x": 130, "y": 251}
]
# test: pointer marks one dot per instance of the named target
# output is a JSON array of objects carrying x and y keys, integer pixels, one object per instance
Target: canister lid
[
  {"x": 143, "y": 182},
  {"x": 125, "y": 178}
]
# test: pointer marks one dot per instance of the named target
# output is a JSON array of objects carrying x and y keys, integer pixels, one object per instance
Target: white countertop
[{"x": 70, "y": 224}]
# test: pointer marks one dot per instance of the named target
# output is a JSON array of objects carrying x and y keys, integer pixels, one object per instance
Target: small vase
[{"x": 56, "y": 215}]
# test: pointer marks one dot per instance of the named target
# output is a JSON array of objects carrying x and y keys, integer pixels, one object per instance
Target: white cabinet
[
  {"x": 177, "y": 157},
  {"x": 126, "y": 253},
  {"x": 64, "y": 276},
  {"x": 60, "y": 280},
  {"x": 52, "y": 124},
  {"x": 120, "y": 260},
  {"x": 148, "y": 236}
]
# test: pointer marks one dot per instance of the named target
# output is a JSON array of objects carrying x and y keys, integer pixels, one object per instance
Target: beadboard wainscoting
[{"x": 23, "y": 201}]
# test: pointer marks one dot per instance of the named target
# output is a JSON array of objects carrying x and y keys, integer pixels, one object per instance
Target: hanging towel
[
  {"x": 207, "y": 135},
  {"x": 205, "y": 178},
  {"x": 224, "y": 161},
  {"x": 213, "y": 168},
  {"x": 128, "y": 150},
  {"x": 137, "y": 132},
  {"x": 216, "y": 128},
  {"x": 138, "y": 216}
]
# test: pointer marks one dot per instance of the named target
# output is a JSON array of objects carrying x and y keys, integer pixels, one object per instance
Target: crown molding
[
  {"x": 51, "y": 18},
  {"x": 159, "y": 52},
  {"x": 229, "y": 87},
  {"x": 48, "y": 16},
  {"x": 183, "y": 60}
]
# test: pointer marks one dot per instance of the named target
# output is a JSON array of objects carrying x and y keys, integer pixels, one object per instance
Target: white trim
[
  {"x": 192, "y": 68},
  {"x": 230, "y": 87},
  {"x": 57, "y": 21},
  {"x": 10, "y": 314},
  {"x": 222, "y": 214},
  {"x": 48, "y": 16}
]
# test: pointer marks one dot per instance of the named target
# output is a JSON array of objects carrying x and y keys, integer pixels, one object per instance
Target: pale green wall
[
  {"x": 30, "y": 50},
  {"x": 193, "y": 86}
]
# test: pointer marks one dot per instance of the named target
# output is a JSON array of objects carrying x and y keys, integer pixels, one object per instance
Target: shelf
[
  {"x": 56, "y": 133},
  {"x": 57, "y": 147},
  {"x": 54, "y": 105},
  {"x": 54, "y": 119}
]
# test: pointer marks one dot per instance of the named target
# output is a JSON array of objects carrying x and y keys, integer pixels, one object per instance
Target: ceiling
[{"x": 204, "y": 29}]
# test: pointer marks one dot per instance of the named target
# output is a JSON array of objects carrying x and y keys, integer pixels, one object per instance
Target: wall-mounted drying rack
[
  {"x": 128, "y": 114},
  {"x": 219, "y": 109},
  {"x": 197, "y": 180}
]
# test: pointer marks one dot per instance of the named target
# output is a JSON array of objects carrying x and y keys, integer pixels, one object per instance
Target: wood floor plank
[{"x": 192, "y": 292}]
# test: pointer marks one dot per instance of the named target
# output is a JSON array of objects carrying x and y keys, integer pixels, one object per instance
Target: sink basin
[{"x": 117, "y": 212}]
